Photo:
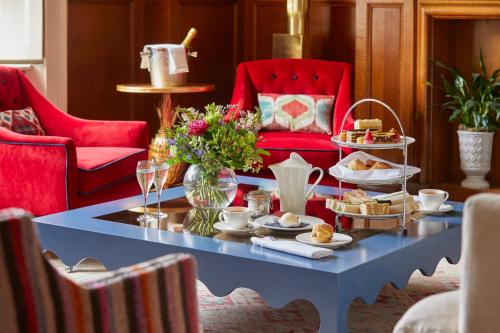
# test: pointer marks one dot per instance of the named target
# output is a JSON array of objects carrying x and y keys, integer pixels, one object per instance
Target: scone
[
  {"x": 381, "y": 165},
  {"x": 322, "y": 233},
  {"x": 289, "y": 220},
  {"x": 357, "y": 165}
]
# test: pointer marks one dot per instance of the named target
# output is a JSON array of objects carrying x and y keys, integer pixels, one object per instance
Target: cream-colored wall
[{"x": 51, "y": 77}]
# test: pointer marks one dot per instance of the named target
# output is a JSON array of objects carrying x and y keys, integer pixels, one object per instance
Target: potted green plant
[{"x": 476, "y": 106}]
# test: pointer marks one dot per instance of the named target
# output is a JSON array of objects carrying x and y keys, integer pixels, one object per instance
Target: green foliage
[
  {"x": 475, "y": 104},
  {"x": 219, "y": 143}
]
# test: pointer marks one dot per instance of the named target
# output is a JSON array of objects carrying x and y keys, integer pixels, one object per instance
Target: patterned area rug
[{"x": 245, "y": 311}]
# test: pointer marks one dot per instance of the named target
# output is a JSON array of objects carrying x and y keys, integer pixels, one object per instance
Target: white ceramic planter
[{"x": 475, "y": 157}]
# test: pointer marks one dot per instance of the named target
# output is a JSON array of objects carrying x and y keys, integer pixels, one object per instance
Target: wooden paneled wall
[
  {"x": 384, "y": 62},
  {"x": 388, "y": 41},
  {"x": 105, "y": 38}
]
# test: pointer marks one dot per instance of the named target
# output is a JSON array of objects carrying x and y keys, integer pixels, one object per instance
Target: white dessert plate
[
  {"x": 371, "y": 217},
  {"x": 270, "y": 222},
  {"x": 225, "y": 227},
  {"x": 409, "y": 140},
  {"x": 337, "y": 240},
  {"x": 444, "y": 208}
]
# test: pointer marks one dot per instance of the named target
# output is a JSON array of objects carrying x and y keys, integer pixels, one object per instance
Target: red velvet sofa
[
  {"x": 297, "y": 76},
  {"x": 77, "y": 163}
]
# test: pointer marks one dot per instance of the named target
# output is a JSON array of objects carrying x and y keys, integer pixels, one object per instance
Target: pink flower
[{"x": 197, "y": 127}]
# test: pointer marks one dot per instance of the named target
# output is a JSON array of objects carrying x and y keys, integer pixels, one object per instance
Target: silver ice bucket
[{"x": 156, "y": 58}]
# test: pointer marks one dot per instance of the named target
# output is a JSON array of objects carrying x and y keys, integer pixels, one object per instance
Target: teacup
[
  {"x": 432, "y": 199},
  {"x": 236, "y": 217}
]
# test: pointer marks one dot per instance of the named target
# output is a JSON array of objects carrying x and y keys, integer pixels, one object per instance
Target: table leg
[{"x": 333, "y": 314}]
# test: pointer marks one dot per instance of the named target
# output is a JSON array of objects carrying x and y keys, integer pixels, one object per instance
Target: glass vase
[{"x": 210, "y": 190}]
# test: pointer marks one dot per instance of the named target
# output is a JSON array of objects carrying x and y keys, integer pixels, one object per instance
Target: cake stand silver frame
[{"x": 404, "y": 147}]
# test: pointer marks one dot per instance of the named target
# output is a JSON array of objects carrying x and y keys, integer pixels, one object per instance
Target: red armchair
[
  {"x": 77, "y": 163},
  {"x": 296, "y": 76}
]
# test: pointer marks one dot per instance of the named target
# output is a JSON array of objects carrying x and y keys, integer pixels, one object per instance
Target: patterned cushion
[
  {"x": 22, "y": 121},
  {"x": 296, "y": 113}
]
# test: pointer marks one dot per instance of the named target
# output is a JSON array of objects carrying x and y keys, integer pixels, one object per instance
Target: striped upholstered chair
[{"x": 155, "y": 296}]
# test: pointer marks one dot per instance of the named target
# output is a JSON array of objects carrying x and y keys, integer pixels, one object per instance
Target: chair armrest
[
  {"x": 95, "y": 133},
  {"x": 159, "y": 295},
  {"x": 85, "y": 133},
  {"x": 39, "y": 173}
]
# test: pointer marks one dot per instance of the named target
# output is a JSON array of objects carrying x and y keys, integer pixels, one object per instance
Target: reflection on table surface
[{"x": 177, "y": 210}]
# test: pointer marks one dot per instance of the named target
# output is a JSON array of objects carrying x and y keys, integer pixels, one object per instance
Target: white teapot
[{"x": 292, "y": 176}]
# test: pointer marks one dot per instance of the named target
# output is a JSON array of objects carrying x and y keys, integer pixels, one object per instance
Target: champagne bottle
[{"x": 189, "y": 37}]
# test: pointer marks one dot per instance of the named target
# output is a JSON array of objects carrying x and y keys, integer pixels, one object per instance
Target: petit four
[
  {"x": 372, "y": 124},
  {"x": 368, "y": 139},
  {"x": 386, "y": 137},
  {"x": 322, "y": 233},
  {"x": 352, "y": 136}
]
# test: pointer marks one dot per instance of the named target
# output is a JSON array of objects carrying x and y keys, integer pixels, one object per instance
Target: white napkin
[
  {"x": 341, "y": 169},
  {"x": 292, "y": 247},
  {"x": 177, "y": 59}
]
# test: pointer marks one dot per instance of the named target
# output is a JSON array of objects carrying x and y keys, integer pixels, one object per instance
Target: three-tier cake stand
[{"x": 402, "y": 144}]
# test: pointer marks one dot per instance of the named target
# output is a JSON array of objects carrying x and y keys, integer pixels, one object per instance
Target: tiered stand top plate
[{"x": 400, "y": 144}]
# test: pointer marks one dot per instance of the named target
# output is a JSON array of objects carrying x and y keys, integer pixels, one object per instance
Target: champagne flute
[
  {"x": 145, "y": 176},
  {"x": 161, "y": 172}
]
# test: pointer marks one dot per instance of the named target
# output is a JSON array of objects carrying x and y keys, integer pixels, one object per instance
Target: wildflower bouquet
[
  {"x": 209, "y": 140},
  {"x": 213, "y": 143}
]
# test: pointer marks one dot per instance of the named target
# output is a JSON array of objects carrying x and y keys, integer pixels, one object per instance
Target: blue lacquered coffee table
[{"x": 356, "y": 271}]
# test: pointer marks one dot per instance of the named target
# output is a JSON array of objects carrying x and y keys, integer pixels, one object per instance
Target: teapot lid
[{"x": 295, "y": 161}]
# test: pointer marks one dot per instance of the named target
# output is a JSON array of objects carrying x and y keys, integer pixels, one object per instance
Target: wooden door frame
[{"x": 438, "y": 9}]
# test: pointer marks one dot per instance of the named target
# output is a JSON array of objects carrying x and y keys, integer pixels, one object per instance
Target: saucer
[
  {"x": 225, "y": 227},
  {"x": 338, "y": 240},
  {"x": 444, "y": 208},
  {"x": 307, "y": 222}
]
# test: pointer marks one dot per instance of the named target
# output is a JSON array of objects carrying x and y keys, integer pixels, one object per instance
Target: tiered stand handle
[{"x": 404, "y": 147}]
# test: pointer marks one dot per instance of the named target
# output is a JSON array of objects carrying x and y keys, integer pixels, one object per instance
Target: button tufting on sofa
[
  {"x": 315, "y": 77},
  {"x": 4, "y": 82},
  {"x": 294, "y": 77},
  {"x": 274, "y": 76}
]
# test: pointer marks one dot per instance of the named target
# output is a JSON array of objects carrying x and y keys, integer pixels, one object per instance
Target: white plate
[
  {"x": 224, "y": 227},
  {"x": 337, "y": 240},
  {"x": 444, "y": 208},
  {"x": 371, "y": 217},
  {"x": 310, "y": 220},
  {"x": 400, "y": 144},
  {"x": 371, "y": 182}
]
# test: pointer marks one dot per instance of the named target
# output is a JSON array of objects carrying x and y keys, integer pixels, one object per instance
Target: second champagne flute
[
  {"x": 161, "y": 173},
  {"x": 145, "y": 176}
]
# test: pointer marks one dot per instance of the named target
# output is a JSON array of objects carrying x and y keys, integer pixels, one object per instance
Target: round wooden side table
[{"x": 166, "y": 115}]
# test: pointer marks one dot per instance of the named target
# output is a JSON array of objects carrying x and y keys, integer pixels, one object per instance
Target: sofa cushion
[
  {"x": 100, "y": 167},
  {"x": 315, "y": 148},
  {"x": 23, "y": 121},
  {"x": 434, "y": 314},
  {"x": 296, "y": 112}
]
